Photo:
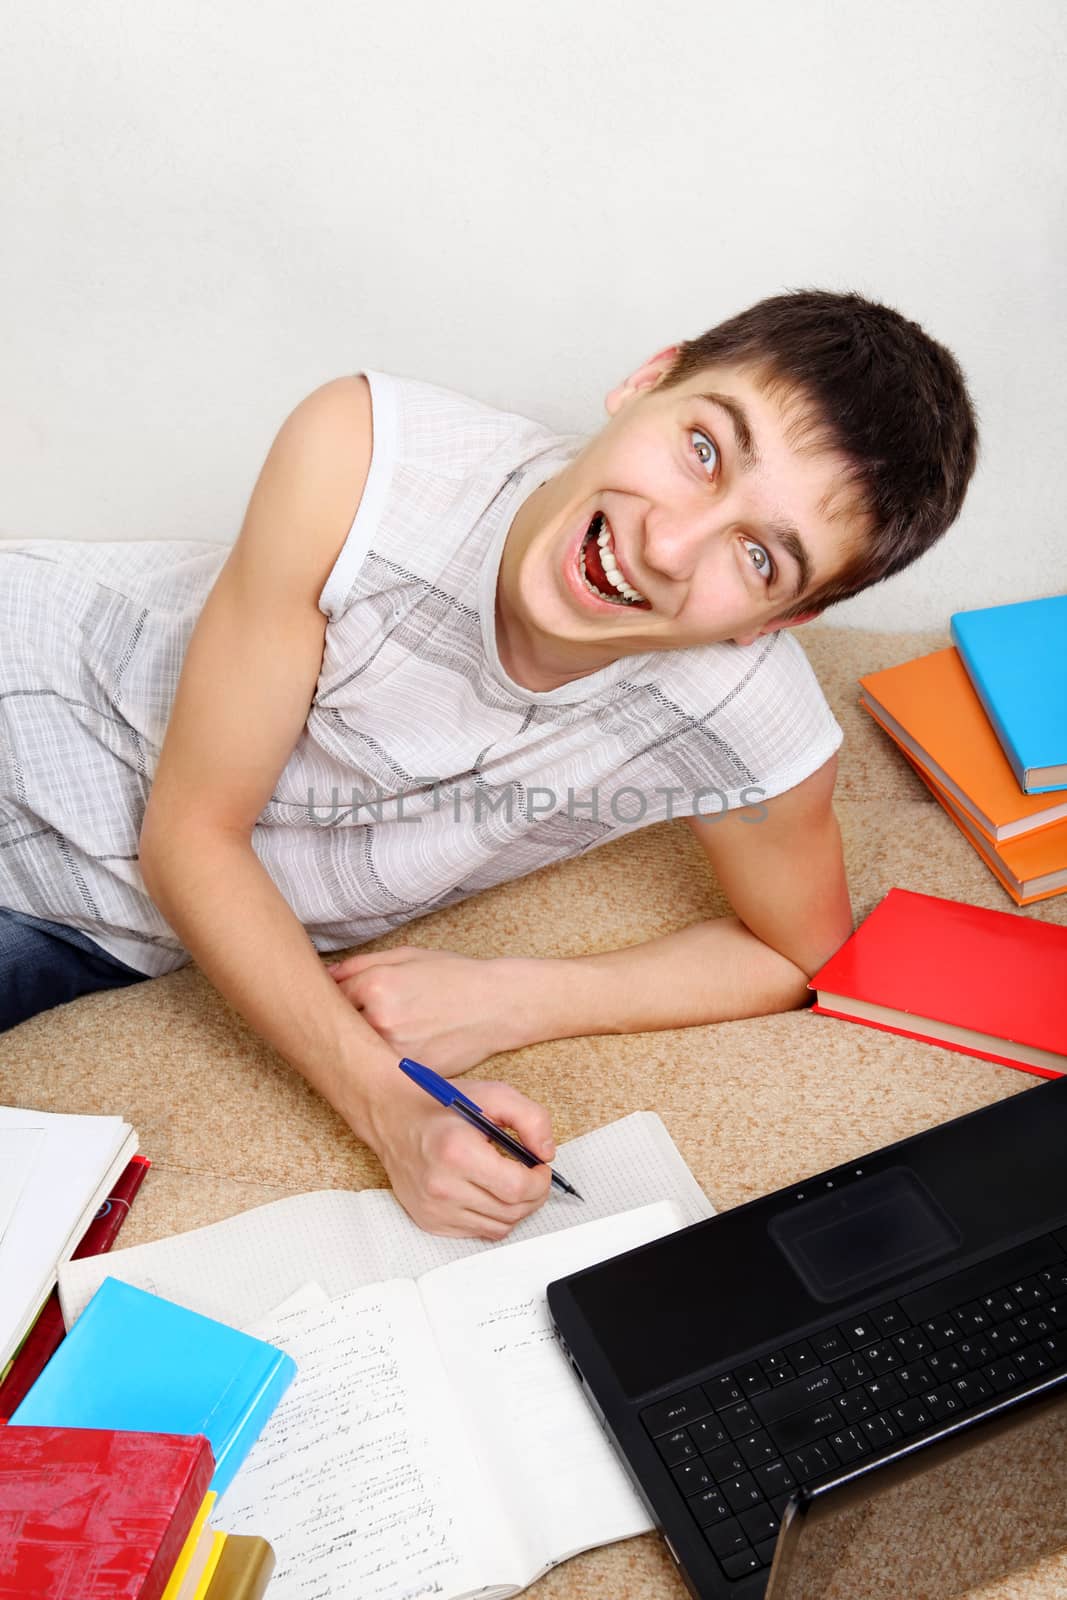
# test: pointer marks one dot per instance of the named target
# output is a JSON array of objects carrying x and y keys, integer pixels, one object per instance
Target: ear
[
  {"x": 776, "y": 626},
  {"x": 646, "y": 377}
]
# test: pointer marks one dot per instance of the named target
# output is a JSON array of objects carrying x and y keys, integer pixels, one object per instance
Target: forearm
[
  {"x": 714, "y": 971},
  {"x": 229, "y": 915}
]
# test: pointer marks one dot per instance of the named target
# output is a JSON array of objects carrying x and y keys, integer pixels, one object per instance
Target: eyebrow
[{"x": 748, "y": 455}]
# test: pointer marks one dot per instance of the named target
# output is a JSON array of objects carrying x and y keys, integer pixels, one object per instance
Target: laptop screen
[{"x": 936, "y": 1522}]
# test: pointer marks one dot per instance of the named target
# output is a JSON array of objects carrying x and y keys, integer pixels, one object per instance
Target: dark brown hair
[{"x": 873, "y": 387}]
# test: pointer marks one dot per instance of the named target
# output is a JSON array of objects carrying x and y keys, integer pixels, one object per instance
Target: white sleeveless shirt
[{"x": 424, "y": 773}]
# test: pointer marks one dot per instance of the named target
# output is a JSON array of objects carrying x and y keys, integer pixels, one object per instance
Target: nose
[{"x": 675, "y": 539}]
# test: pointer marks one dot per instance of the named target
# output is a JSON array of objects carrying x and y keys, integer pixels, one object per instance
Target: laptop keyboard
[{"x": 740, "y": 1443}]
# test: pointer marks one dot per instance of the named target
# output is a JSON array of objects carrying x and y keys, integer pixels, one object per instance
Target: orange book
[
  {"x": 1032, "y": 867},
  {"x": 929, "y": 707}
]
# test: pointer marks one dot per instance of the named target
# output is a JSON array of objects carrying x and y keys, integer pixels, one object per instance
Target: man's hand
[
  {"x": 448, "y": 1010},
  {"x": 448, "y": 1177}
]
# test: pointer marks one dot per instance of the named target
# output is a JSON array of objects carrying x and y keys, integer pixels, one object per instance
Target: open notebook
[
  {"x": 238, "y": 1270},
  {"x": 434, "y": 1440}
]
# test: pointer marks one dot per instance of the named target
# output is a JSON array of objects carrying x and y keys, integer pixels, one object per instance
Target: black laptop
[{"x": 795, "y": 1383}]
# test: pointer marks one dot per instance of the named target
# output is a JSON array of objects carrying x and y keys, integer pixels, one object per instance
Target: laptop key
[
  {"x": 757, "y": 1449},
  {"x": 972, "y": 1319},
  {"x": 1000, "y": 1305},
  {"x": 829, "y": 1345},
  {"x": 708, "y": 1434},
  {"x": 812, "y": 1461},
  {"x": 774, "y": 1479},
  {"x": 724, "y": 1391},
  {"x": 851, "y": 1370},
  {"x": 882, "y": 1357},
  {"x": 946, "y": 1365},
  {"x": 741, "y": 1492},
  {"x": 737, "y": 1566},
  {"x": 912, "y": 1343},
  {"x": 912, "y": 1416},
  {"x": 691, "y": 1477},
  {"x": 885, "y": 1392},
  {"x": 914, "y": 1379},
  {"x": 972, "y": 1389},
  {"x": 726, "y": 1538},
  {"x": 760, "y": 1523},
  {"x": 801, "y": 1356},
  {"x": 889, "y": 1319},
  {"x": 725, "y": 1462},
  {"x": 849, "y": 1444},
  {"x": 709, "y": 1507},
  {"x": 854, "y": 1405},
  {"x": 739, "y": 1419},
  {"x": 943, "y": 1402},
  {"x": 666, "y": 1415},
  {"x": 1031, "y": 1363},
  {"x": 765, "y": 1550},
  {"x": 1001, "y": 1374},
  {"x": 975, "y": 1352},
  {"x": 861, "y": 1332},
  {"x": 941, "y": 1330},
  {"x": 676, "y": 1447},
  {"x": 752, "y": 1379},
  {"x": 880, "y": 1431}
]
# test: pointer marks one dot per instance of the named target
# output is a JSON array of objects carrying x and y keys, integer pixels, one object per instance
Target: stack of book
[
  {"x": 110, "y": 1466},
  {"x": 88, "y": 1511},
  {"x": 984, "y": 723}
]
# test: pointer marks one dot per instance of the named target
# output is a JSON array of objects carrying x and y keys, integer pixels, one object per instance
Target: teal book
[
  {"x": 1016, "y": 658},
  {"x": 136, "y": 1362}
]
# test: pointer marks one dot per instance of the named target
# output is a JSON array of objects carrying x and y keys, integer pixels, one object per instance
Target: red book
[
  {"x": 987, "y": 983},
  {"x": 88, "y": 1514},
  {"x": 46, "y": 1335}
]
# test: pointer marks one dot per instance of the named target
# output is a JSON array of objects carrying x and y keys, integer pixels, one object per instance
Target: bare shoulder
[{"x": 309, "y": 489}]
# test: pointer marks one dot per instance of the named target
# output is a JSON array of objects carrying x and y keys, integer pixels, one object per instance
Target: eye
[
  {"x": 761, "y": 561},
  {"x": 712, "y": 457}
]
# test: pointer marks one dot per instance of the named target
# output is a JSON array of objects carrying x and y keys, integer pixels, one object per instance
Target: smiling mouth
[{"x": 600, "y": 571}]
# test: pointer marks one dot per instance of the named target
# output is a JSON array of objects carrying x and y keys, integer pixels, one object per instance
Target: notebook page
[
  {"x": 536, "y": 1434},
  {"x": 362, "y": 1478},
  {"x": 19, "y": 1149},
  {"x": 238, "y": 1269},
  {"x": 73, "y": 1173}
]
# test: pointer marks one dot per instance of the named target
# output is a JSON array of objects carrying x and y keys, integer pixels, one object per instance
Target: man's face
[{"x": 711, "y": 519}]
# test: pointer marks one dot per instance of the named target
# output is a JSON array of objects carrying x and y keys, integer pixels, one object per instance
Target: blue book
[
  {"x": 134, "y": 1361},
  {"x": 1016, "y": 657}
]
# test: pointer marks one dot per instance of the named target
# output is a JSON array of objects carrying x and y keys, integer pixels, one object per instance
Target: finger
[
  {"x": 530, "y": 1121},
  {"x": 473, "y": 1160}
]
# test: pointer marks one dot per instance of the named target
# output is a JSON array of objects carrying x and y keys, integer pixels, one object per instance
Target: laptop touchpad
[{"x": 863, "y": 1234}]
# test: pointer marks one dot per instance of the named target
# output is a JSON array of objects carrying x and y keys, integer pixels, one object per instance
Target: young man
[{"x": 448, "y": 647}]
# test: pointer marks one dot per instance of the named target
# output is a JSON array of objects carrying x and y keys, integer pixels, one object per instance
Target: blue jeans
[{"x": 43, "y": 964}]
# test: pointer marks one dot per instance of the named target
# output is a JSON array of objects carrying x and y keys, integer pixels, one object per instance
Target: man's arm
[
  {"x": 247, "y": 682},
  {"x": 784, "y": 876}
]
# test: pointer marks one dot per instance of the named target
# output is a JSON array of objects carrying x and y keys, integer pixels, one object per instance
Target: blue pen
[{"x": 450, "y": 1096}]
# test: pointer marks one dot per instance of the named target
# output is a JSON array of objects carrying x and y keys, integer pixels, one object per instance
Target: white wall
[{"x": 210, "y": 209}]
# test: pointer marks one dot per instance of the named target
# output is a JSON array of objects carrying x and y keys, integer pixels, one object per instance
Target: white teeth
[{"x": 611, "y": 567}]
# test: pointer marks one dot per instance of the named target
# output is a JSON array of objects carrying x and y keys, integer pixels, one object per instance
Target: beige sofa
[{"x": 751, "y": 1105}]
